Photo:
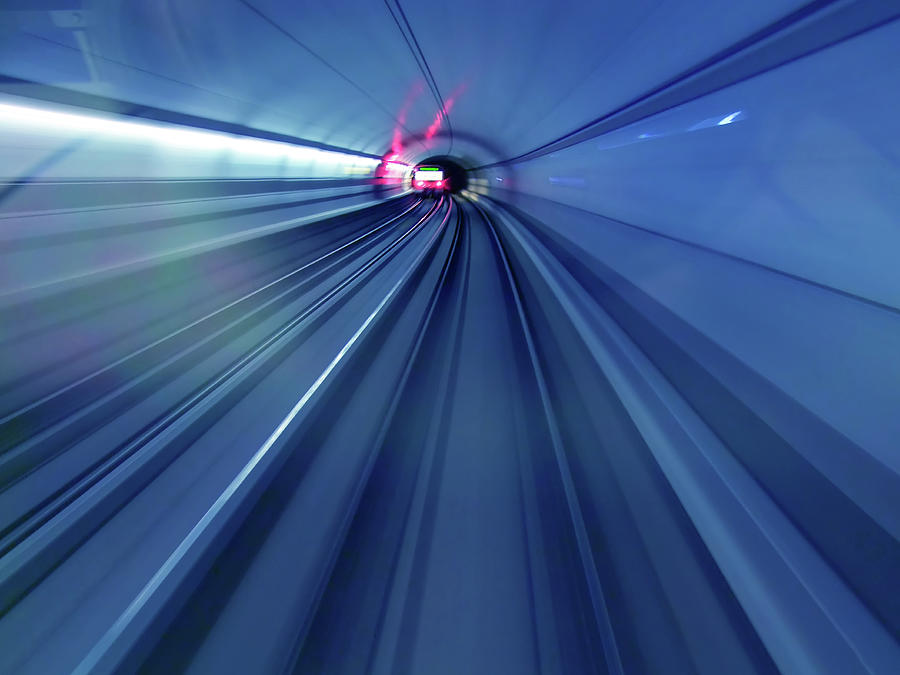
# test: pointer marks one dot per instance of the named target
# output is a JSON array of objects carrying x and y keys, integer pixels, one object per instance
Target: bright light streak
[
  {"x": 15, "y": 118},
  {"x": 728, "y": 119},
  {"x": 396, "y": 168},
  {"x": 429, "y": 175}
]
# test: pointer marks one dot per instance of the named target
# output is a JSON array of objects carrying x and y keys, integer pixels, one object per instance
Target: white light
[
  {"x": 395, "y": 169},
  {"x": 728, "y": 119},
  {"x": 429, "y": 176},
  {"x": 29, "y": 119}
]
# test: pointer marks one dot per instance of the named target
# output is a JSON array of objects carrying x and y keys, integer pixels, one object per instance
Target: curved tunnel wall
[
  {"x": 700, "y": 203},
  {"x": 763, "y": 216},
  {"x": 744, "y": 241}
]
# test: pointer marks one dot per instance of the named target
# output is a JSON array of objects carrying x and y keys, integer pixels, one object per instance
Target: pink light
[
  {"x": 441, "y": 115},
  {"x": 435, "y": 125},
  {"x": 397, "y": 136}
]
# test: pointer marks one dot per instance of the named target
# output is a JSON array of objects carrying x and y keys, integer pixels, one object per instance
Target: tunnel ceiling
[{"x": 468, "y": 78}]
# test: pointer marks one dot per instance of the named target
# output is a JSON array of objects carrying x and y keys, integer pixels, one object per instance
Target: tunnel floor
[{"x": 373, "y": 443}]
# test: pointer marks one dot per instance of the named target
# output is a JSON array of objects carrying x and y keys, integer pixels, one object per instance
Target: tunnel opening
[{"x": 455, "y": 174}]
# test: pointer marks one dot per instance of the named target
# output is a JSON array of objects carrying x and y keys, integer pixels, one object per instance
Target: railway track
[{"x": 408, "y": 439}]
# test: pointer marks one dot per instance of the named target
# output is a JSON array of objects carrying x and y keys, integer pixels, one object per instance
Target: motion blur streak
[{"x": 624, "y": 402}]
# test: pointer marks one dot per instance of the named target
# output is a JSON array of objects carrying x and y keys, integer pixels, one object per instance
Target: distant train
[{"x": 429, "y": 180}]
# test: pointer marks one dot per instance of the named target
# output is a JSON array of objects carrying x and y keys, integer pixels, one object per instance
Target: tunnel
[{"x": 623, "y": 398}]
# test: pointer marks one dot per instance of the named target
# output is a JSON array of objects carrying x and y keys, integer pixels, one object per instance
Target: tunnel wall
[
  {"x": 794, "y": 169},
  {"x": 745, "y": 242},
  {"x": 93, "y": 192},
  {"x": 761, "y": 215}
]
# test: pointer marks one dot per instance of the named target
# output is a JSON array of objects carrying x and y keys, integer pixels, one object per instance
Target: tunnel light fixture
[{"x": 17, "y": 119}]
